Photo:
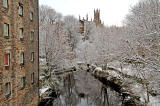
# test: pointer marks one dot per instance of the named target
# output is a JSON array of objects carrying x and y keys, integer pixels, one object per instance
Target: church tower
[
  {"x": 97, "y": 19},
  {"x": 84, "y": 21}
]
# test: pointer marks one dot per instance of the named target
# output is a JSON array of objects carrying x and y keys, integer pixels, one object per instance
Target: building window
[
  {"x": 23, "y": 82},
  {"x": 1, "y": 83},
  {"x": 20, "y": 9},
  {"x": 32, "y": 57},
  {"x": 8, "y": 88},
  {"x": 31, "y": 16},
  {"x": 22, "y": 58},
  {"x": 1, "y": 88},
  {"x": 5, "y": 3},
  {"x": 7, "y": 59},
  {"x": 21, "y": 33},
  {"x": 32, "y": 36},
  {"x": 32, "y": 78},
  {"x": 6, "y": 30}
]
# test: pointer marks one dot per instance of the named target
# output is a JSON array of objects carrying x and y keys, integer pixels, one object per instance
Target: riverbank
[
  {"x": 84, "y": 83},
  {"x": 131, "y": 88}
]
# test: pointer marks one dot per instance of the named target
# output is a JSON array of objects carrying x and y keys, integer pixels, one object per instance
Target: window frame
[
  {"x": 21, "y": 33},
  {"x": 23, "y": 82},
  {"x": 32, "y": 56},
  {"x": 31, "y": 16},
  {"x": 7, "y": 88},
  {"x": 5, "y": 4},
  {"x": 20, "y": 9},
  {"x": 32, "y": 36},
  {"x": 5, "y": 25},
  {"x": 1, "y": 88},
  {"x": 32, "y": 78},
  {"x": 22, "y": 58},
  {"x": 8, "y": 61}
]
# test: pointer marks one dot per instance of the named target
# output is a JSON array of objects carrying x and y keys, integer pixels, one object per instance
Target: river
[{"x": 80, "y": 88}]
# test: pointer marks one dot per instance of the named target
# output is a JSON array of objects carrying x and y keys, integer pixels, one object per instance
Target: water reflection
[{"x": 82, "y": 89}]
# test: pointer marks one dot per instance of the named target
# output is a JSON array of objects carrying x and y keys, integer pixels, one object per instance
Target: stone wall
[{"x": 15, "y": 46}]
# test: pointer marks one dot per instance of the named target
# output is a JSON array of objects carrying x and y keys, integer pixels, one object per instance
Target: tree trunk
[{"x": 147, "y": 93}]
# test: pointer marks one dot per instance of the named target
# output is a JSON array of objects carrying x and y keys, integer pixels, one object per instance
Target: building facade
[
  {"x": 96, "y": 20},
  {"x": 19, "y": 53}
]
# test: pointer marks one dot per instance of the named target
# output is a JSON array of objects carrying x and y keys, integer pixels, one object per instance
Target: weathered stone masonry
[
  {"x": 19, "y": 78},
  {"x": 96, "y": 20}
]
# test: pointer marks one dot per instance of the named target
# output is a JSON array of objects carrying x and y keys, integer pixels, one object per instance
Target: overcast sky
[{"x": 112, "y": 11}]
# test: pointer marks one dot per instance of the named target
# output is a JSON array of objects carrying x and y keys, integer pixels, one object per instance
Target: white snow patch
[
  {"x": 41, "y": 77},
  {"x": 154, "y": 101},
  {"x": 98, "y": 69},
  {"x": 114, "y": 74},
  {"x": 43, "y": 90}
]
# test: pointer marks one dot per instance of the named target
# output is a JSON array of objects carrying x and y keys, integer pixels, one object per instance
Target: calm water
[{"x": 82, "y": 89}]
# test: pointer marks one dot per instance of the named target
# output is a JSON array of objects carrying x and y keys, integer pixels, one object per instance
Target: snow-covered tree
[{"x": 143, "y": 31}]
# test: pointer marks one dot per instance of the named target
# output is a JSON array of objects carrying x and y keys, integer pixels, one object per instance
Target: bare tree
[{"x": 143, "y": 29}]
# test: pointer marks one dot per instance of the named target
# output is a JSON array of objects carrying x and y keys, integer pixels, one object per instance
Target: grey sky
[{"x": 112, "y": 11}]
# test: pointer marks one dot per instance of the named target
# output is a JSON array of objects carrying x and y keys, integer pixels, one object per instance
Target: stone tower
[
  {"x": 97, "y": 19},
  {"x": 84, "y": 21},
  {"x": 82, "y": 24}
]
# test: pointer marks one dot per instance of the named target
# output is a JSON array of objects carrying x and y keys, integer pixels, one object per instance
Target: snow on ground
[
  {"x": 43, "y": 90},
  {"x": 154, "y": 101},
  {"x": 98, "y": 69},
  {"x": 41, "y": 77},
  {"x": 114, "y": 64},
  {"x": 135, "y": 87},
  {"x": 139, "y": 90},
  {"x": 126, "y": 69},
  {"x": 114, "y": 74},
  {"x": 42, "y": 61}
]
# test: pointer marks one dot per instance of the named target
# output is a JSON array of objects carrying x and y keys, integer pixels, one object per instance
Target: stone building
[
  {"x": 19, "y": 53},
  {"x": 96, "y": 21}
]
